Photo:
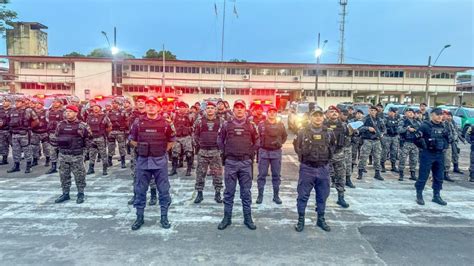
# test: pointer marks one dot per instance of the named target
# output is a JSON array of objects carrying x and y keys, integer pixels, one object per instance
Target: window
[
  {"x": 188, "y": 90},
  {"x": 237, "y": 91},
  {"x": 312, "y": 72},
  {"x": 57, "y": 86},
  {"x": 193, "y": 70},
  {"x": 263, "y": 72},
  {"x": 391, "y": 74},
  {"x": 211, "y": 70},
  {"x": 417, "y": 74},
  {"x": 238, "y": 71},
  {"x": 442, "y": 75},
  {"x": 366, "y": 73},
  {"x": 139, "y": 68},
  {"x": 168, "y": 69},
  {"x": 32, "y": 65},
  {"x": 32, "y": 86},
  {"x": 340, "y": 73},
  {"x": 135, "y": 88},
  {"x": 205, "y": 90},
  {"x": 263, "y": 92}
]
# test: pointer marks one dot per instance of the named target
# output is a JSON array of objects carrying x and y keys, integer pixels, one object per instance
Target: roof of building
[
  {"x": 238, "y": 64},
  {"x": 33, "y": 25}
]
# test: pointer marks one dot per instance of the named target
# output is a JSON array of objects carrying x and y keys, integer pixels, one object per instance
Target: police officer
[
  {"x": 21, "y": 120},
  {"x": 54, "y": 115},
  {"x": 408, "y": 130},
  {"x": 391, "y": 140},
  {"x": 118, "y": 118},
  {"x": 259, "y": 116},
  {"x": 184, "y": 142},
  {"x": 338, "y": 168},
  {"x": 39, "y": 136},
  {"x": 356, "y": 140},
  {"x": 424, "y": 115},
  {"x": 209, "y": 155},
  {"x": 152, "y": 136},
  {"x": 100, "y": 126},
  {"x": 344, "y": 117},
  {"x": 272, "y": 137},
  {"x": 449, "y": 124},
  {"x": 222, "y": 112},
  {"x": 433, "y": 143},
  {"x": 5, "y": 136},
  {"x": 470, "y": 134},
  {"x": 238, "y": 140},
  {"x": 314, "y": 146},
  {"x": 70, "y": 138},
  {"x": 371, "y": 133}
]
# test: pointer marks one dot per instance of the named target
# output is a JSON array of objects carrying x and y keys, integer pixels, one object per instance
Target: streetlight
[
  {"x": 318, "y": 53},
  {"x": 430, "y": 71},
  {"x": 114, "y": 51}
]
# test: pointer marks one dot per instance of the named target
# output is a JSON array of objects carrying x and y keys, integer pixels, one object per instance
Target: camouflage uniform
[
  {"x": 39, "y": 136},
  {"x": 5, "y": 136},
  {"x": 449, "y": 151},
  {"x": 118, "y": 133},
  {"x": 184, "y": 141},
  {"x": 371, "y": 143},
  {"x": 98, "y": 124},
  {"x": 54, "y": 116},
  {"x": 20, "y": 125},
  {"x": 408, "y": 147},
  {"x": 390, "y": 141}
]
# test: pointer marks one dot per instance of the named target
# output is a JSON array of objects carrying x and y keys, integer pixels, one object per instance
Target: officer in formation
[
  {"x": 371, "y": 133},
  {"x": 391, "y": 140},
  {"x": 257, "y": 115},
  {"x": 314, "y": 146},
  {"x": 21, "y": 120},
  {"x": 238, "y": 140},
  {"x": 470, "y": 134},
  {"x": 338, "y": 167},
  {"x": 453, "y": 132},
  {"x": 100, "y": 126},
  {"x": 71, "y": 137},
  {"x": 356, "y": 140},
  {"x": 118, "y": 119},
  {"x": 348, "y": 146},
  {"x": 434, "y": 141},
  {"x": 54, "y": 115},
  {"x": 184, "y": 142},
  {"x": 423, "y": 114},
  {"x": 39, "y": 135},
  {"x": 223, "y": 112},
  {"x": 206, "y": 129},
  {"x": 152, "y": 136},
  {"x": 408, "y": 130},
  {"x": 5, "y": 136},
  {"x": 272, "y": 137}
]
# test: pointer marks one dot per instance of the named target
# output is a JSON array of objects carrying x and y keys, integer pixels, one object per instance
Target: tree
[
  {"x": 152, "y": 53},
  {"x": 6, "y": 16},
  {"x": 105, "y": 52},
  {"x": 74, "y": 54},
  {"x": 235, "y": 60}
]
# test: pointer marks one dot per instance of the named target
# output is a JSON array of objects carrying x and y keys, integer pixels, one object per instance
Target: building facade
[
  {"x": 195, "y": 80},
  {"x": 27, "y": 38}
]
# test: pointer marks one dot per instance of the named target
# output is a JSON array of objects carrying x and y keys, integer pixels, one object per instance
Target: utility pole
[
  {"x": 316, "y": 81},
  {"x": 163, "y": 74},
  {"x": 114, "y": 90},
  {"x": 428, "y": 80},
  {"x": 222, "y": 53}
]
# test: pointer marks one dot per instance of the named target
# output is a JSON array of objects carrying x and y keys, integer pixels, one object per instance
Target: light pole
[
  {"x": 429, "y": 73},
  {"x": 318, "y": 53},
  {"x": 114, "y": 51}
]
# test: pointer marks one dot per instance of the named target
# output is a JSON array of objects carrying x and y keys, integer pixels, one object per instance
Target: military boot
[
  {"x": 53, "y": 168},
  {"x": 132, "y": 200},
  {"x": 382, "y": 164},
  {"x": 400, "y": 175},
  {"x": 86, "y": 157},
  {"x": 437, "y": 198},
  {"x": 249, "y": 222},
  {"x": 180, "y": 163},
  {"x": 99, "y": 157},
  {"x": 64, "y": 197},
  {"x": 4, "y": 160},
  {"x": 349, "y": 182},
  {"x": 322, "y": 223},
  {"x": 109, "y": 161},
  {"x": 28, "y": 168},
  {"x": 164, "y": 221},
  {"x": 122, "y": 162},
  {"x": 138, "y": 222},
  {"x": 394, "y": 168},
  {"x": 80, "y": 198},
  {"x": 260, "y": 196},
  {"x": 91, "y": 169},
  {"x": 378, "y": 176},
  {"x": 412, "y": 175},
  {"x": 174, "y": 165},
  {"x": 15, "y": 168},
  {"x": 35, "y": 162},
  {"x": 419, "y": 197},
  {"x": 471, "y": 176},
  {"x": 226, "y": 221},
  {"x": 217, "y": 197},
  {"x": 456, "y": 169},
  {"x": 153, "y": 198},
  {"x": 199, "y": 197},
  {"x": 300, "y": 225},
  {"x": 104, "y": 170},
  {"x": 341, "y": 201},
  {"x": 447, "y": 177},
  {"x": 47, "y": 161},
  {"x": 360, "y": 174},
  {"x": 276, "y": 196}
]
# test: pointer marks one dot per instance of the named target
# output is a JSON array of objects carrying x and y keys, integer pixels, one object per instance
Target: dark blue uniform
[
  {"x": 238, "y": 140},
  {"x": 152, "y": 137},
  {"x": 471, "y": 167},
  {"x": 434, "y": 140}
]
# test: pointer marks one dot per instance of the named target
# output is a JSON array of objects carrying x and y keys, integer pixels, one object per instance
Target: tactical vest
[
  {"x": 371, "y": 122},
  {"x": 4, "y": 118},
  {"x": 272, "y": 136},
  {"x": 182, "y": 124},
  {"x": 339, "y": 131},
  {"x": 316, "y": 147},
  {"x": 43, "y": 123},
  {"x": 437, "y": 141},
  {"x": 135, "y": 115},
  {"x": 69, "y": 141},
  {"x": 18, "y": 122},
  {"x": 410, "y": 136},
  {"x": 152, "y": 139},
  {"x": 239, "y": 145},
  {"x": 257, "y": 119},
  {"x": 96, "y": 123},
  {"x": 392, "y": 127},
  {"x": 209, "y": 132},
  {"x": 118, "y": 120},
  {"x": 54, "y": 117}
]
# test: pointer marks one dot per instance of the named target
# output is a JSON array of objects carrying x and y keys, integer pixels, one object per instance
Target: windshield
[
  {"x": 302, "y": 108},
  {"x": 470, "y": 112}
]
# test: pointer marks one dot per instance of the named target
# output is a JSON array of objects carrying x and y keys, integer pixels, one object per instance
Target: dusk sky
[{"x": 377, "y": 31}]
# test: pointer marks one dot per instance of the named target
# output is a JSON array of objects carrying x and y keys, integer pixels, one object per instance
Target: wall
[{"x": 93, "y": 76}]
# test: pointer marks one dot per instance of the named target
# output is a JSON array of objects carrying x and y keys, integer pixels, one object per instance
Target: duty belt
[
  {"x": 315, "y": 164},
  {"x": 238, "y": 158}
]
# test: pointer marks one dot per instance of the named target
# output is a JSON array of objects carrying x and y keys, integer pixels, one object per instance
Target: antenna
[{"x": 343, "y": 4}]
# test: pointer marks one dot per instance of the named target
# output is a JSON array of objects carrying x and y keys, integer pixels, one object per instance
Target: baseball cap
[{"x": 239, "y": 102}]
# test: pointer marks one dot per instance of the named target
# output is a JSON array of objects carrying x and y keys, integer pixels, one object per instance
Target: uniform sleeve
[
  {"x": 107, "y": 121},
  {"x": 221, "y": 136},
  {"x": 170, "y": 133},
  {"x": 197, "y": 130},
  {"x": 86, "y": 131},
  {"x": 297, "y": 142},
  {"x": 255, "y": 136},
  {"x": 32, "y": 114},
  {"x": 401, "y": 127},
  {"x": 134, "y": 131}
]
